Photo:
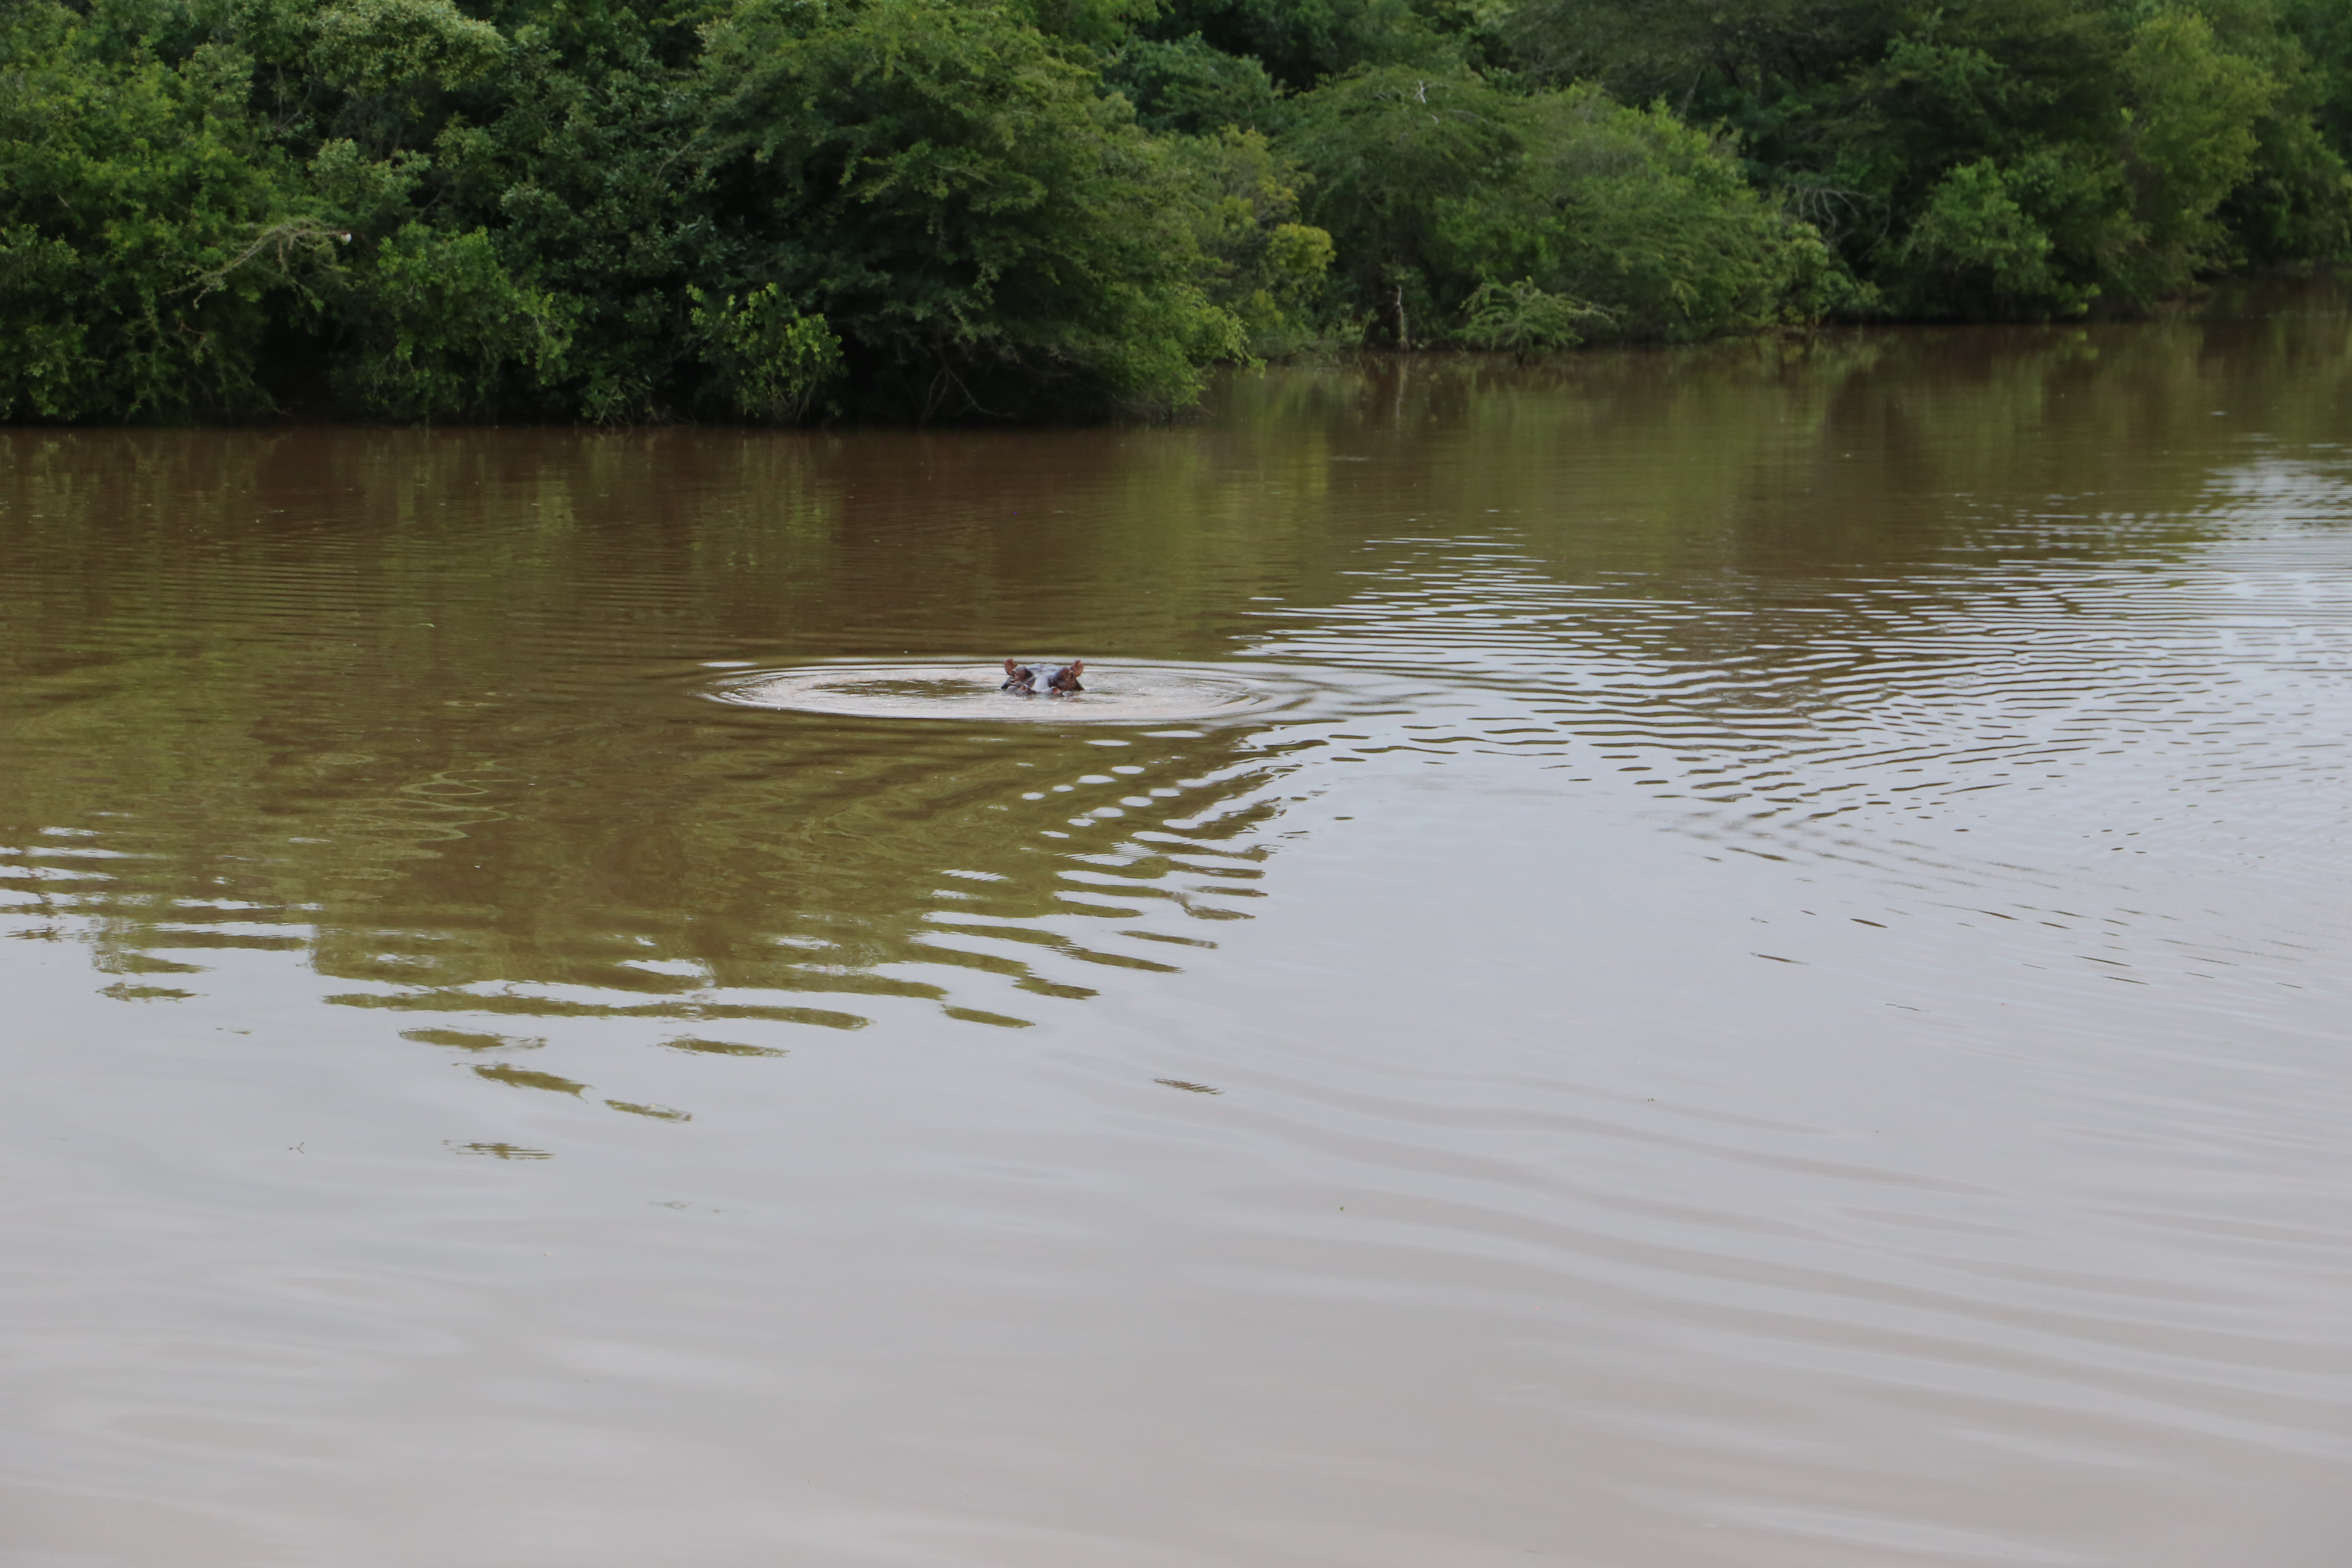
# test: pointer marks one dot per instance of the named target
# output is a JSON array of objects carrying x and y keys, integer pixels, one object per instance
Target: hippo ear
[
  {"x": 1010, "y": 666},
  {"x": 1077, "y": 667}
]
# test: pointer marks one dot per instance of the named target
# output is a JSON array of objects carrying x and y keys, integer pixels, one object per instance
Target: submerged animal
[{"x": 1054, "y": 679}]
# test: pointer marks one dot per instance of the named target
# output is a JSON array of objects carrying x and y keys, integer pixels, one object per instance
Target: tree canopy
[{"x": 781, "y": 210}]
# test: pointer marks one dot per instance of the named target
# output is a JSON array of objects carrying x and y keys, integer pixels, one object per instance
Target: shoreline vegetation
[{"x": 780, "y": 211}]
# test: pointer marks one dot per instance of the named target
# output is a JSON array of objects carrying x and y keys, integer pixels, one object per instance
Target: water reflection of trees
[
  {"x": 415, "y": 699},
  {"x": 706, "y": 867},
  {"x": 1778, "y": 458},
  {"x": 1767, "y": 484}
]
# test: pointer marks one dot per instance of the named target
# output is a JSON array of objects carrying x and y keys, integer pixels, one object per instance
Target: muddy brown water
[{"x": 1722, "y": 958}]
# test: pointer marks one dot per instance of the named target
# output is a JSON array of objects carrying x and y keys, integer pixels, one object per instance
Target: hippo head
[{"x": 1054, "y": 679}]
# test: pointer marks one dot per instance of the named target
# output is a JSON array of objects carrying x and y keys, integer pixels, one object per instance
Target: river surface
[{"x": 1722, "y": 958}]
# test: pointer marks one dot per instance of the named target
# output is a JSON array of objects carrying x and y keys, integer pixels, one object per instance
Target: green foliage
[
  {"x": 767, "y": 359},
  {"x": 767, "y": 209},
  {"x": 1267, "y": 269},
  {"x": 1999, "y": 158},
  {"x": 985, "y": 231},
  {"x": 1085, "y": 21},
  {"x": 382, "y": 46},
  {"x": 1520, "y": 319},
  {"x": 1645, "y": 218},
  {"x": 131, "y": 193},
  {"x": 1296, "y": 257},
  {"x": 1184, "y": 85},
  {"x": 438, "y": 328},
  {"x": 2191, "y": 136},
  {"x": 375, "y": 196},
  {"x": 2321, "y": 34},
  {"x": 583, "y": 207},
  {"x": 1437, "y": 188},
  {"x": 588, "y": 181},
  {"x": 1389, "y": 152},
  {"x": 1976, "y": 250},
  {"x": 1302, "y": 42}
]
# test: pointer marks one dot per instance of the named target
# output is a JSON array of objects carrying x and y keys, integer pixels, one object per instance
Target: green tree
[
  {"x": 1388, "y": 151},
  {"x": 1977, "y": 158},
  {"x": 1437, "y": 187},
  {"x": 1186, "y": 85},
  {"x": 1647, "y": 219},
  {"x": 1302, "y": 43},
  {"x": 582, "y": 167},
  {"x": 985, "y": 231},
  {"x": 1521, "y": 318},
  {"x": 770, "y": 360},
  {"x": 436, "y": 327},
  {"x": 136, "y": 196},
  {"x": 1267, "y": 268},
  {"x": 1976, "y": 250},
  {"x": 2191, "y": 136}
]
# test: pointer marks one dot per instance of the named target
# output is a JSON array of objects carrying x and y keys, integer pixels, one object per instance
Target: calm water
[{"x": 1696, "y": 960}]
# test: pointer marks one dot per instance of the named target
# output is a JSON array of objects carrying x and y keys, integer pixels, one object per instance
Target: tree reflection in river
[
  {"x": 425, "y": 696},
  {"x": 1768, "y": 994}
]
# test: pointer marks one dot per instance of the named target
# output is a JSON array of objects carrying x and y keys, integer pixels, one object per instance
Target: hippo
[{"x": 1054, "y": 679}]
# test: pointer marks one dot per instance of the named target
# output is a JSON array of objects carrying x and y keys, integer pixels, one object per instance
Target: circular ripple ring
[{"x": 1116, "y": 693}]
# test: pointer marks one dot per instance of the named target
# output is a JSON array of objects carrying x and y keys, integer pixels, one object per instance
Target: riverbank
[{"x": 905, "y": 211}]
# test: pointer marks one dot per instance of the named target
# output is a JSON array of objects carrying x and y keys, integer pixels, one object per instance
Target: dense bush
[
  {"x": 786, "y": 209},
  {"x": 2004, "y": 158},
  {"x": 143, "y": 209},
  {"x": 886, "y": 207}
]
